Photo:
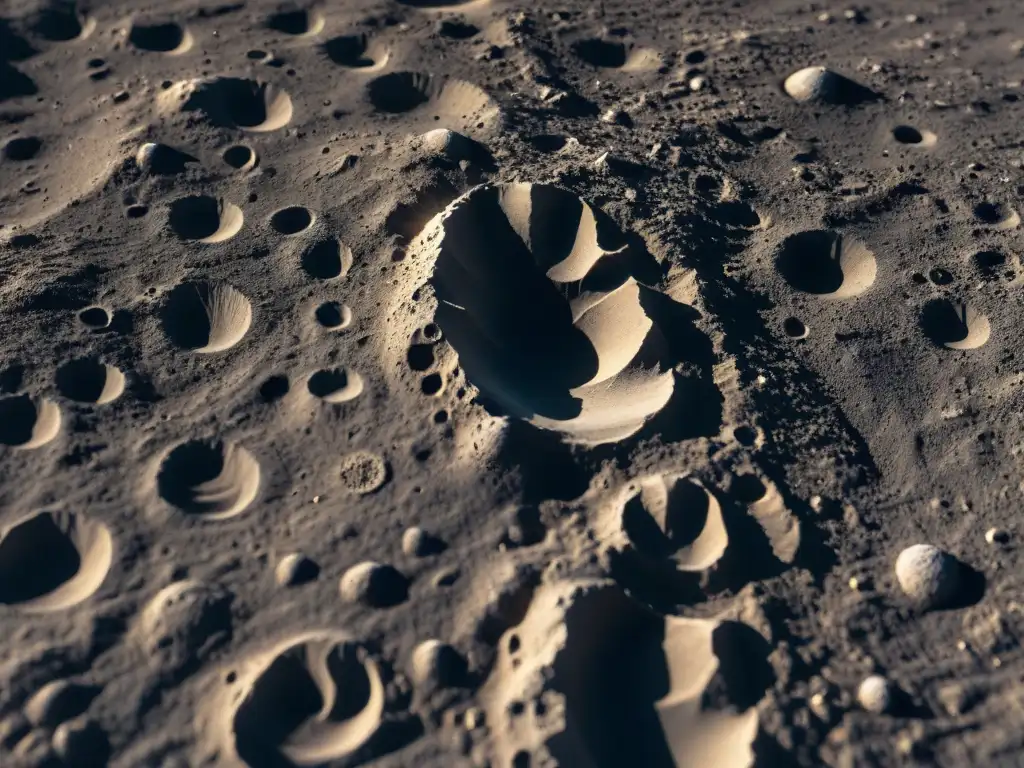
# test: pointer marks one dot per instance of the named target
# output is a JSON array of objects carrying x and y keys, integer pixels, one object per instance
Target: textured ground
[{"x": 409, "y": 383}]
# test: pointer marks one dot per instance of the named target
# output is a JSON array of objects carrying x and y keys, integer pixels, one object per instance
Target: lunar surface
[{"x": 507, "y": 384}]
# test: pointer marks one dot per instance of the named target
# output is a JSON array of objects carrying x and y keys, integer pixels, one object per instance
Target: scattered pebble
[
  {"x": 875, "y": 694},
  {"x": 927, "y": 575},
  {"x": 80, "y": 742}
]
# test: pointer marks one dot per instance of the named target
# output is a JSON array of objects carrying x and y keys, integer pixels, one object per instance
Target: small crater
[
  {"x": 240, "y": 157},
  {"x": 454, "y": 29},
  {"x": 245, "y": 104},
  {"x": 954, "y": 325},
  {"x": 335, "y": 385},
  {"x": 298, "y": 21},
  {"x": 601, "y": 53},
  {"x": 53, "y": 560},
  {"x": 940, "y": 276},
  {"x": 432, "y": 384},
  {"x": 420, "y": 357},
  {"x": 990, "y": 263},
  {"x": 22, "y": 149},
  {"x": 997, "y": 215},
  {"x": 334, "y": 315},
  {"x": 136, "y": 211},
  {"x": 62, "y": 22},
  {"x": 205, "y": 219},
  {"x": 547, "y": 143},
  {"x": 291, "y": 220},
  {"x": 794, "y": 328},
  {"x": 317, "y": 699},
  {"x": 87, "y": 380},
  {"x": 274, "y": 388},
  {"x": 28, "y": 423},
  {"x": 826, "y": 264},
  {"x": 206, "y": 317},
  {"x": 400, "y": 92},
  {"x": 95, "y": 318},
  {"x": 907, "y": 134},
  {"x": 182, "y": 624},
  {"x": 356, "y": 52},
  {"x": 210, "y": 479},
  {"x": 327, "y": 259},
  {"x": 363, "y": 472},
  {"x": 160, "y": 38}
]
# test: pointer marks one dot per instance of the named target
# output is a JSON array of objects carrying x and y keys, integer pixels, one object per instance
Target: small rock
[
  {"x": 81, "y": 742},
  {"x": 437, "y": 665},
  {"x": 473, "y": 719},
  {"x": 13, "y": 729},
  {"x": 374, "y": 585},
  {"x": 58, "y": 701},
  {"x": 997, "y": 536},
  {"x": 927, "y": 575},
  {"x": 295, "y": 569},
  {"x": 617, "y": 117},
  {"x": 824, "y": 85},
  {"x": 875, "y": 694},
  {"x": 698, "y": 83},
  {"x": 957, "y": 699},
  {"x": 416, "y": 542}
]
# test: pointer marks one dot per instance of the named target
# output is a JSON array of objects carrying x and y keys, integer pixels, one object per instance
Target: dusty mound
[
  {"x": 621, "y": 686},
  {"x": 546, "y": 322},
  {"x": 314, "y": 699},
  {"x": 236, "y": 103},
  {"x": 182, "y": 624},
  {"x": 421, "y": 101},
  {"x": 827, "y": 264},
  {"x": 206, "y": 317},
  {"x": 817, "y": 84},
  {"x": 211, "y": 479},
  {"x": 53, "y": 560}
]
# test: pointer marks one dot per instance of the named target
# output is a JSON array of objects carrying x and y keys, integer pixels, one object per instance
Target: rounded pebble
[
  {"x": 927, "y": 575},
  {"x": 997, "y": 536},
  {"x": 295, "y": 569},
  {"x": 416, "y": 542},
  {"x": 58, "y": 701},
  {"x": 374, "y": 585},
  {"x": 80, "y": 742},
  {"x": 436, "y": 665},
  {"x": 875, "y": 694}
]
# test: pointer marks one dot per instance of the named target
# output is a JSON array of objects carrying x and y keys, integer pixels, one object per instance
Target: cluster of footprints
[{"x": 510, "y": 281}]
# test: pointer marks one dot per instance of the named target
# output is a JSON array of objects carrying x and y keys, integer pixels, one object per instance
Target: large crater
[{"x": 549, "y": 325}]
